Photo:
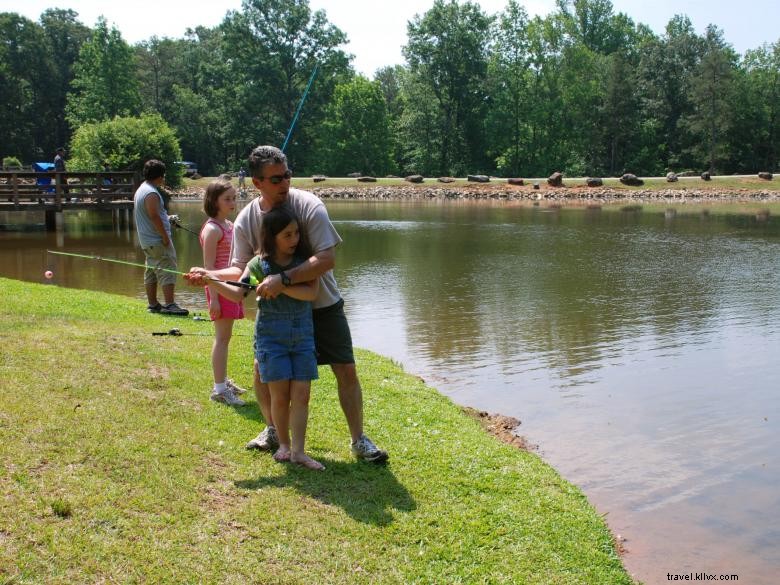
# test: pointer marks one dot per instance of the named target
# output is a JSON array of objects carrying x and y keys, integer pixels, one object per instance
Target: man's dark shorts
[{"x": 332, "y": 338}]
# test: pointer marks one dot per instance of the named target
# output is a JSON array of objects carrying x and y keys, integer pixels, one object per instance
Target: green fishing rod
[{"x": 244, "y": 285}]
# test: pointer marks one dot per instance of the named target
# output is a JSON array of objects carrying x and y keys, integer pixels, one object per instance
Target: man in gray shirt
[
  {"x": 270, "y": 175},
  {"x": 154, "y": 234}
]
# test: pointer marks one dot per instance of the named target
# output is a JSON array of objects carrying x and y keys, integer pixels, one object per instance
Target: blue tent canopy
[{"x": 42, "y": 167}]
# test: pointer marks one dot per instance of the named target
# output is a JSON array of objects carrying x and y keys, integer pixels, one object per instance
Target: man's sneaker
[
  {"x": 227, "y": 397},
  {"x": 173, "y": 309},
  {"x": 265, "y": 441},
  {"x": 365, "y": 449},
  {"x": 154, "y": 308},
  {"x": 233, "y": 387}
]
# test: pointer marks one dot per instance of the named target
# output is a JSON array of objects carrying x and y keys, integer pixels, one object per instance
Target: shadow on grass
[
  {"x": 251, "y": 411},
  {"x": 367, "y": 492}
]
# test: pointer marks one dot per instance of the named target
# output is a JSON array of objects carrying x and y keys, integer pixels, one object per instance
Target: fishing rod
[
  {"x": 300, "y": 106},
  {"x": 175, "y": 221},
  {"x": 244, "y": 285},
  {"x": 178, "y": 333}
]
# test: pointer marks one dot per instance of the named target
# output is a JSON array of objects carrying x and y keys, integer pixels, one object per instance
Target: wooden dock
[
  {"x": 53, "y": 192},
  {"x": 28, "y": 191}
]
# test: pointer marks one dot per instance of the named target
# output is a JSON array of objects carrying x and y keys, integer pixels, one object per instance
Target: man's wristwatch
[{"x": 285, "y": 279}]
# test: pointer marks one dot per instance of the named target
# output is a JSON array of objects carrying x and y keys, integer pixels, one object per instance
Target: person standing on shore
[
  {"x": 271, "y": 177},
  {"x": 154, "y": 234},
  {"x": 59, "y": 167},
  {"x": 242, "y": 181},
  {"x": 59, "y": 160},
  {"x": 216, "y": 239}
]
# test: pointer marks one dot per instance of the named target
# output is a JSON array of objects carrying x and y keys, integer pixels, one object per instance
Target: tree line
[{"x": 583, "y": 90}]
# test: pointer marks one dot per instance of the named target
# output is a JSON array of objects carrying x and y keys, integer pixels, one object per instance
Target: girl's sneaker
[
  {"x": 237, "y": 390},
  {"x": 227, "y": 397}
]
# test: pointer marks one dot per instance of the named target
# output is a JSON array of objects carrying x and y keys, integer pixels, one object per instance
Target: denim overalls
[{"x": 284, "y": 331}]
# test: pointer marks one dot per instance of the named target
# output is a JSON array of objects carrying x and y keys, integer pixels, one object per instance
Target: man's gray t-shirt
[
  {"x": 314, "y": 219},
  {"x": 147, "y": 235}
]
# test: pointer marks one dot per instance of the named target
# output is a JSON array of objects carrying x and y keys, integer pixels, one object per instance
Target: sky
[{"x": 377, "y": 28}]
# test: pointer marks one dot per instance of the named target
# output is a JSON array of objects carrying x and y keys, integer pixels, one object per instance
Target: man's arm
[
  {"x": 307, "y": 271},
  {"x": 304, "y": 291},
  {"x": 314, "y": 267},
  {"x": 152, "y": 206}
]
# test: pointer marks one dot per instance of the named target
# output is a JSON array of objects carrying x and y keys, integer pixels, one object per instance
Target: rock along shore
[{"x": 559, "y": 194}]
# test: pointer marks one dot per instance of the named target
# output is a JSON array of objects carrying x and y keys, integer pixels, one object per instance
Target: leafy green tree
[
  {"x": 274, "y": 46},
  {"x": 754, "y": 138},
  {"x": 355, "y": 133},
  {"x": 419, "y": 128},
  {"x": 25, "y": 68},
  {"x": 390, "y": 80},
  {"x": 447, "y": 49},
  {"x": 547, "y": 150},
  {"x": 582, "y": 95},
  {"x": 206, "y": 108},
  {"x": 621, "y": 119},
  {"x": 509, "y": 82},
  {"x": 665, "y": 73},
  {"x": 161, "y": 65},
  {"x": 711, "y": 95},
  {"x": 594, "y": 24},
  {"x": 65, "y": 35},
  {"x": 197, "y": 125},
  {"x": 104, "y": 85},
  {"x": 125, "y": 144}
]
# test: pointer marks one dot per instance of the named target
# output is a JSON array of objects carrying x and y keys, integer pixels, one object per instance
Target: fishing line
[
  {"x": 244, "y": 285},
  {"x": 300, "y": 106}
]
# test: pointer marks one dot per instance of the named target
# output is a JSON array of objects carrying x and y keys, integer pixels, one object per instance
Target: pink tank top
[{"x": 223, "y": 246}]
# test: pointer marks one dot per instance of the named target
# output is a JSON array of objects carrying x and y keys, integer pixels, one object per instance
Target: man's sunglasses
[{"x": 276, "y": 179}]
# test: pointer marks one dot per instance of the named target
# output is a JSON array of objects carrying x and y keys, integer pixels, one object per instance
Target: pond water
[{"x": 638, "y": 348}]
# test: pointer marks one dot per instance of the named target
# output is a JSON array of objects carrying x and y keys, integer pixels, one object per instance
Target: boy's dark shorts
[{"x": 332, "y": 338}]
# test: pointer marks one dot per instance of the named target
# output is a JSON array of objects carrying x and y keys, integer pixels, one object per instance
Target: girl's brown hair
[
  {"x": 216, "y": 188},
  {"x": 275, "y": 221}
]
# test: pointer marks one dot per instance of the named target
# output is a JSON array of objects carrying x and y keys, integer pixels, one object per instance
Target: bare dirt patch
[{"x": 501, "y": 426}]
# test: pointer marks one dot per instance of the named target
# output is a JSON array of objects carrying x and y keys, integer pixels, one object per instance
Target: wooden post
[
  {"x": 15, "y": 182},
  {"x": 58, "y": 190},
  {"x": 51, "y": 220}
]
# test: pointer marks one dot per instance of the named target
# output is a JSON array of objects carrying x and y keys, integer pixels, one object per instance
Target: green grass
[{"x": 118, "y": 468}]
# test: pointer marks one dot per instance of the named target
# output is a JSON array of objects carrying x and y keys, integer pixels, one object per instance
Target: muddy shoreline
[{"x": 504, "y": 428}]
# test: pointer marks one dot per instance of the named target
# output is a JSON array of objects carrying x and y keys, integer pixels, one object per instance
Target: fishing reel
[{"x": 174, "y": 332}]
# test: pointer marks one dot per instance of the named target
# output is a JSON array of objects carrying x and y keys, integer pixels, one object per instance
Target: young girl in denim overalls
[{"x": 284, "y": 334}]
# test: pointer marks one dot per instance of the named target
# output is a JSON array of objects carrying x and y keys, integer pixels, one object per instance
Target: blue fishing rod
[{"x": 300, "y": 106}]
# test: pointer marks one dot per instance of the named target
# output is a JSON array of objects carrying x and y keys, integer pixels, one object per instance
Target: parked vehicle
[{"x": 190, "y": 168}]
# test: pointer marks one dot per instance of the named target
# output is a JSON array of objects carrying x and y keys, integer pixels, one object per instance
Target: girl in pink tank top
[{"x": 216, "y": 238}]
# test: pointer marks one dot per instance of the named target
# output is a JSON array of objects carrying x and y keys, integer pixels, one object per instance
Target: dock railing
[{"x": 24, "y": 190}]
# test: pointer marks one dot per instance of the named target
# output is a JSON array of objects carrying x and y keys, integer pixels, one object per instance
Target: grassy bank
[{"x": 117, "y": 468}]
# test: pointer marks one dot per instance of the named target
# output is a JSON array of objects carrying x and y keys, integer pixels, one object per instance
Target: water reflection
[
  {"x": 637, "y": 347},
  {"x": 636, "y": 350}
]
